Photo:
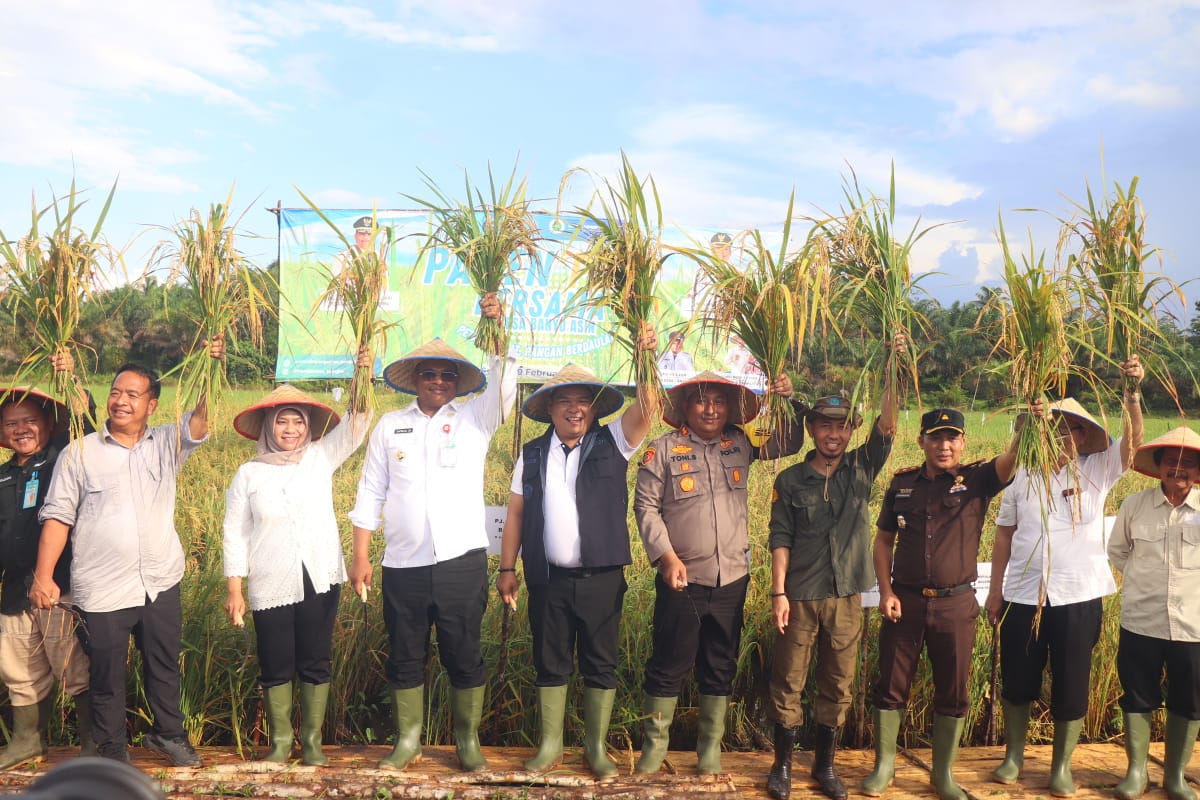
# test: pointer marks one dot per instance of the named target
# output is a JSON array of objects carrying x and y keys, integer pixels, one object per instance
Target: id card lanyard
[
  {"x": 31, "y": 491},
  {"x": 447, "y": 453}
]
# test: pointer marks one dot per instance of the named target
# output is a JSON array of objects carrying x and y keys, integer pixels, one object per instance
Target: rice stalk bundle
[
  {"x": 875, "y": 287},
  {"x": 618, "y": 269},
  {"x": 225, "y": 297},
  {"x": 489, "y": 236},
  {"x": 45, "y": 276},
  {"x": 1120, "y": 299},
  {"x": 357, "y": 284}
]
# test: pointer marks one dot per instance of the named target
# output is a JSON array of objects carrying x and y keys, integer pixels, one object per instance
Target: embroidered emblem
[
  {"x": 446, "y": 428},
  {"x": 400, "y": 455},
  {"x": 737, "y": 475},
  {"x": 681, "y": 449},
  {"x": 726, "y": 444},
  {"x": 647, "y": 456},
  {"x": 683, "y": 430},
  {"x": 686, "y": 483},
  {"x": 686, "y": 466},
  {"x": 958, "y": 486}
]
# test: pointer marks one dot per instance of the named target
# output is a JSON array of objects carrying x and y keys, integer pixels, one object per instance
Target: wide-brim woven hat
[
  {"x": 321, "y": 418},
  {"x": 401, "y": 374},
  {"x": 1183, "y": 436},
  {"x": 57, "y": 413},
  {"x": 607, "y": 399},
  {"x": 743, "y": 403},
  {"x": 1097, "y": 439}
]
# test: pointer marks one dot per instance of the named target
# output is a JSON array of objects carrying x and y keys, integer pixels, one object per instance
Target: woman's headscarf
[{"x": 269, "y": 451}]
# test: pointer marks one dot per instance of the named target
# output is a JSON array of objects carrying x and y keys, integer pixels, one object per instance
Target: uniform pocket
[
  {"x": 686, "y": 481},
  {"x": 1189, "y": 557},
  {"x": 1149, "y": 542}
]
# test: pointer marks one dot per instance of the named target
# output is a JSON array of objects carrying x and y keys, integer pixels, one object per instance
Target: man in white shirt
[
  {"x": 567, "y": 515},
  {"x": 1053, "y": 559},
  {"x": 423, "y": 480}
]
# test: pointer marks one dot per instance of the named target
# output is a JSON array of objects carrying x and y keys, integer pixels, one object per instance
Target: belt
[
  {"x": 936, "y": 591},
  {"x": 578, "y": 572}
]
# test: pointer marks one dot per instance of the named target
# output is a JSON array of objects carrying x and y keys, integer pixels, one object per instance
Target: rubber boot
[
  {"x": 1177, "y": 752},
  {"x": 779, "y": 779},
  {"x": 1137, "y": 748},
  {"x": 656, "y": 732},
  {"x": 822, "y": 769},
  {"x": 1016, "y": 729},
  {"x": 1066, "y": 736},
  {"x": 313, "y": 699},
  {"x": 408, "y": 709},
  {"x": 947, "y": 731},
  {"x": 278, "y": 702},
  {"x": 83, "y": 725},
  {"x": 887, "y": 729},
  {"x": 466, "y": 706},
  {"x": 28, "y": 738},
  {"x": 552, "y": 708},
  {"x": 712, "y": 710},
  {"x": 597, "y": 709}
]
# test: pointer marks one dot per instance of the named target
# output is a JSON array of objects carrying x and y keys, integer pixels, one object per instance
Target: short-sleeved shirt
[
  {"x": 938, "y": 522},
  {"x": 120, "y": 505},
  {"x": 691, "y": 499},
  {"x": 825, "y": 524}
]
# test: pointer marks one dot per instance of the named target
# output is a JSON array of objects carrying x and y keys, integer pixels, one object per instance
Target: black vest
[{"x": 601, "y": 497}]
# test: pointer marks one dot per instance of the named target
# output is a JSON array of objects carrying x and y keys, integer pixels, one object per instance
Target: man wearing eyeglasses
[
  {"x": 1054, "y": 558},
  {"x": 423, "y": 481}
]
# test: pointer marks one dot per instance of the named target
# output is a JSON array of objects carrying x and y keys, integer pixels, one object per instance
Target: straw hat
[
  {"x": 56, "y": 412},
  {"x": 320, "y": 416},
  {"x": 743, "y": 403},
  {"x": 1097, "y": 440},
  {"x": 401, "y": 374},
  {"x": 1183, "y": 436},
  {"x": 608, "y": 399}
]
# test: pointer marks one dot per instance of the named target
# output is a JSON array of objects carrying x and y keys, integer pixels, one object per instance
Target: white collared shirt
[
  {"x": 423, "y": 476},
  {"x": 1064, "y": 554},
  {"x": 561, "y": 515}
]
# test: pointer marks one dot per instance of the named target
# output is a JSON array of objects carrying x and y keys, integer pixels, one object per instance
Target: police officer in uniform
[
  {"x": 691, "y": 512},
  {"x": 925, "y": 555}
]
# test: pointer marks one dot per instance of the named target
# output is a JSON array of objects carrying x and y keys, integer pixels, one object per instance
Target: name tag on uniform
[
  {"x": 448, "y": 455},
  {"x": 31, "y": 491},
  {"x": 903, "y": 494},
  {"x": 402, "y": 430}
]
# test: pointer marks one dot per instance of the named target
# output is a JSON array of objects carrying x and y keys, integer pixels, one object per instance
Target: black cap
[
  {"x": 942, "y": 419},
  {"x": 363, "y": 223}
]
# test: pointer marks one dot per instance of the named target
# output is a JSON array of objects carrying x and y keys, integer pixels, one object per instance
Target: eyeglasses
[{"x": 447, "y": 375}]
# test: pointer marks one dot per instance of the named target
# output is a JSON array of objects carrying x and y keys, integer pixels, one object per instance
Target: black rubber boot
[
  {"x": 823, "y": 769},
  {"x": 779, "y": 780}
]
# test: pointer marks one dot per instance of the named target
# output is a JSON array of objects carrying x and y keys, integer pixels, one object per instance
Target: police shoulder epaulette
[
  {"x": 907, "y": 470},
  {"x": 973, "y": 464}
]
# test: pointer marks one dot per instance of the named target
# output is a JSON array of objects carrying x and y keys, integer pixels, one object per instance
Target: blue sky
[{"x": 983, "y": 108}]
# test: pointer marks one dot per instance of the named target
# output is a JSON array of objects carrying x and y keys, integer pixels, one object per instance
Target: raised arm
[
  {"x": 1131, "y": 438},
  {"x": 636, "y": 421},
  {"x": 198, "y": 422}
]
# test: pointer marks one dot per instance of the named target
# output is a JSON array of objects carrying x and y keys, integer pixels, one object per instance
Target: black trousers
[
  {"x": 451, "y": 595},
  {"x": 701, "y": 626},
  {"x": 577, "y": 609},
  {"x": 156, "y": 628},
  {"x": 1065, "y": 638},
  {"x": 296, "y": 639},
  {"x": 1141, "y": 661}
]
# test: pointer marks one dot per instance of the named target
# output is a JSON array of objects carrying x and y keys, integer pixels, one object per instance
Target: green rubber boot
[
  {"x": 278, "y": 703},
  {"x": 466, "y": 706},
  {"x": 552, "y": 709},
  {"x": 1137, "y": 748},
  {"x": 408, "y": 709},
  {"x": 1016, "y": 727},
  {"x": 1177, "y": 752},
  {"x": 313, "y": 699},
  {"x": 83, "y": 725},
  {"x": 947, "y": 731},
  {"x": 28, "y": 738},
  {"x": 712, "y": 730},
  {"x": 656, "y": 732},
  {"x": 887, "y": 729},
  {"x": 1066, "y": 736},
  {"x": 597, "y": 710}
]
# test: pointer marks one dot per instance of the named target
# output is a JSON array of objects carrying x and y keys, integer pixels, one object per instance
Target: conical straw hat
[
  {"x": 1183, "y": 436},
  {"x": 401, "y": 374},
  {"x": 607, "y": 399},
  {"x": 743, "y": 403},
  {"x": 57, "y": 414},
  {"x": 321, "y": 418},
  {"x": 1097, "y": 440}
]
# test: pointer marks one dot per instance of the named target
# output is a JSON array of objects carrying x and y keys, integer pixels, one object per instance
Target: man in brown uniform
[
  {"x": 691, "y": 511},
  {"x": 932, "y": 516}
]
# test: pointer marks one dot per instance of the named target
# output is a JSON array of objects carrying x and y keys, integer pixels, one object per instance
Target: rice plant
[
  {"x": 489, "y": 236},
  {"x": 46, "y": 275}
]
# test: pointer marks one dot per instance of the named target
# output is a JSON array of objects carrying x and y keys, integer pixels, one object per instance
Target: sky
[{"x": 985, "y": 111}]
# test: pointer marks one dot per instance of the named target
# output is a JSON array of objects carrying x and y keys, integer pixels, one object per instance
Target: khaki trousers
[
  {"x": 37, "y": 646},
  {"x": 828, "y": 629}
]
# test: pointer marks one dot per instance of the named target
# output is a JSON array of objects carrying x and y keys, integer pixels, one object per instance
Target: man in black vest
[{"x": 567, "y": 516}]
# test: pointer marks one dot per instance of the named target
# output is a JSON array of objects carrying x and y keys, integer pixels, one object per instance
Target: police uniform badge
[
  {"x": 901, "y": 522},
  {"x": 958, "y": 486},
  {"x": 648, "y": 456},
  {"x": 687, "y": 483},
  {"x": 400, "y": 455}
]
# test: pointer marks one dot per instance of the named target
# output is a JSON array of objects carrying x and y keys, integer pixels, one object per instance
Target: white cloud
[{"x": 1139, "y": 93}]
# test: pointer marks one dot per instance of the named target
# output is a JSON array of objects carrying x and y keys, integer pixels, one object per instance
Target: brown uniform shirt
[
  {"x": 938, "y": 523},
  {"x": 691, "y": 498}
]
